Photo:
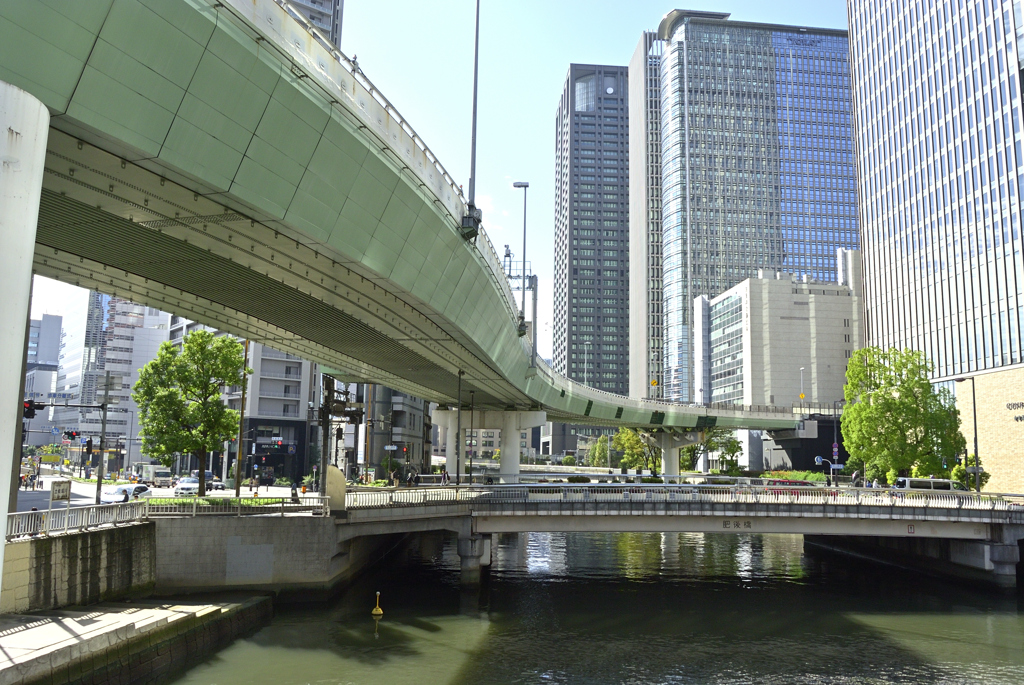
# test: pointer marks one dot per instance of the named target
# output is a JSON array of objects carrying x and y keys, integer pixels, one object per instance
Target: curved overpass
[{"x": 223, "y": 161}]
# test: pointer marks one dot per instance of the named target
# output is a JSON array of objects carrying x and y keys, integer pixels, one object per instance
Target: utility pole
[
  {"x": 103, "y": 435},
  {"x": 240, "y": 453}
]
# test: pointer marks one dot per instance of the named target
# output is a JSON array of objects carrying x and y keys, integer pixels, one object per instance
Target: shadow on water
[{"x": 637, "y": 608}]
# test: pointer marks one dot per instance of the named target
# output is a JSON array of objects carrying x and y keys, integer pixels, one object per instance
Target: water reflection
[{"x": 636, "y": 608}]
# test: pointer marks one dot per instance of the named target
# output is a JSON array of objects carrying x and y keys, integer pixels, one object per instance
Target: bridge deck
[{"x": 705, "y": 508}]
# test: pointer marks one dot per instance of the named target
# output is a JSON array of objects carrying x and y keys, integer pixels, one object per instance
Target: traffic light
[
  {"x": 279, "y": 443},
  {"x": 88, "y": 446},
  {"x": 71, "y": 435},
  {"x": 405, "y": 450},
  {"x": 29, "y": 409}
]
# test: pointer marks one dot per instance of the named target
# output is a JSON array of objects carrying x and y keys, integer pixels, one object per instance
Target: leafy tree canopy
[
  {"x": 636, "y": 454},
  {"x": 179, "y": 398},
  {"x": 712, "y": 440},
  {"x": 597, "y": 455},
  {"x": 895, "y": 422}
]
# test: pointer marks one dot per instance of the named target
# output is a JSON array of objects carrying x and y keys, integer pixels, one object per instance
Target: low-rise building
[{"x": 779, "y": 340}]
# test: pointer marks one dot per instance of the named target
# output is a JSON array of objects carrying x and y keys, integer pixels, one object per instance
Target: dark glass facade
[{"x": 757, "y": 163}]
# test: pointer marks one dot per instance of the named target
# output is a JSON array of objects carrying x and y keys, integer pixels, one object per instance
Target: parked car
[
  {"x": 215, "y": 484},
  {"x": 124, "y": 493},
  {"x": 186, "y": 487}
]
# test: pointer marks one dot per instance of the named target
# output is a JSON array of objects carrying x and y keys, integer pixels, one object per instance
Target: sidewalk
[{"x": 127, "y": 642}]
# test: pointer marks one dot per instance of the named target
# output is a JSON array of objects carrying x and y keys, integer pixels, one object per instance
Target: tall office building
[
  {"x": 757, "y": 163},
  {"x": 646, "y": 343},
  {"x": 44, "y": 337},
  {"x": 938, "y": 113},
  {"x": 591, "y": 228},
  {"x": 106, "y": 334},
  {"x": 326, "y": 15}
]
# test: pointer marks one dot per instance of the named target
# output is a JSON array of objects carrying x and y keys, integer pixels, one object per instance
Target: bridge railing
[
  {"x": 24, "y": 524},
  {"x": 240, "y": 506},
  {"x": 490, "y": 496}
]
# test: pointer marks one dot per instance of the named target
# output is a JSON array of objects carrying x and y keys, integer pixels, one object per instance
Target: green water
[{"x": 635, "y": 609}]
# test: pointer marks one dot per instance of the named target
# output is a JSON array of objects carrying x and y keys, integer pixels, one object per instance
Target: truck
[{"x": 157, "y": 475}]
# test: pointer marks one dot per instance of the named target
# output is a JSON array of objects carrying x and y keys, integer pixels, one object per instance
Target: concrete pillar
[
  {"x": 471, "y": 550},
  {"x": 24, "y": 125},
  {"x": 509, "y": 444},
  {"x": 485, "y": 556},
  {"x": 669, "y": 454},
  {"x": 451, "y": 442}
]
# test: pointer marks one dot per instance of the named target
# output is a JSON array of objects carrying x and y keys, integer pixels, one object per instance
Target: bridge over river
[{"x": 979, "y": 522}]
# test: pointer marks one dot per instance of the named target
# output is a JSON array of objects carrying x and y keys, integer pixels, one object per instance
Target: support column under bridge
[{"x": 510, "y": 423}]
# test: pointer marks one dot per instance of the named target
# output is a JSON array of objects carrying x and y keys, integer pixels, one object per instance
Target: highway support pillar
[
  {"x": 24, "y": 125},
  {"x": 510, "y": 447},
  {"x": 471, "y": 552},
  {"x": 451, "y": 440}
]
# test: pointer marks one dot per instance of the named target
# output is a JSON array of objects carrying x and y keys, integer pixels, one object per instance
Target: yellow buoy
[{"x": 377, "y": 611}]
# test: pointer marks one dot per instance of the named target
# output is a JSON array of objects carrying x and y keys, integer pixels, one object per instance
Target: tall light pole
[
  {"x": 471, "y": 222},
  {"x": 801, "y": 382},
  {"x": 522, "y": 312},
  {"x": 977, "y": 457}
]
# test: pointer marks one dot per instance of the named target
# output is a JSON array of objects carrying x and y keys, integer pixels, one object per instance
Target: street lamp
[
  {"x": 977, "y": 457},
  {"x": 801, "y": 382},
  {"x": 522, "y": 312},
  {"x": 835, "y": 430}
]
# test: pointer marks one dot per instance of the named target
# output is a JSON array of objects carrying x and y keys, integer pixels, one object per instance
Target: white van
[{"x": 931, "y": 484}]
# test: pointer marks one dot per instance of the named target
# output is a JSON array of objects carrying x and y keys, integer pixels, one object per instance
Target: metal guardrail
[
  {"x": 685, "y": 493},
  {"x": 73, "y": 520},
  {"x": 244, "y": 506},
  {"x": 78, "y": 519}
]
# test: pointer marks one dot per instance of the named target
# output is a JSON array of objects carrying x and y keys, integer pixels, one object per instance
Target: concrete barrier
[{"x": 79, "y": 568}]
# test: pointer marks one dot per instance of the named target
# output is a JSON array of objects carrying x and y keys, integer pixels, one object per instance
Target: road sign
[
  {"x": 390, "y": 448},
  {"x": 54, "y": 430},
  {"x": 975, "y": 469},
  {"x": 60, "y": 491},
  {"x": 801, "y": 395},
  {"x": 85, "y": 440},
  {"x": 291, "y": 449}
]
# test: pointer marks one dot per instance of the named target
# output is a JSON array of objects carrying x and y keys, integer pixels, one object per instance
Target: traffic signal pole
[{"x": 103, "y": 435}]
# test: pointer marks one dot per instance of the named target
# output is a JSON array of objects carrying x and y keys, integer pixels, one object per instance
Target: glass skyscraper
[
  {"x": 938, "y": 111},
  {"x": 757, "y": 163}
]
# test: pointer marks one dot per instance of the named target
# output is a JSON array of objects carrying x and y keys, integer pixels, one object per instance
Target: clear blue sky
[{"x": 420, "y": 55}]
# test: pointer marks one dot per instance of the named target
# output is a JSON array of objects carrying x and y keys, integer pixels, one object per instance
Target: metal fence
[
  {"x": 244, "y": 506},
  {"x": 73, "y": 520},
  {"x": 488, "y": 496},
  {"x": 77, "y": 519}
]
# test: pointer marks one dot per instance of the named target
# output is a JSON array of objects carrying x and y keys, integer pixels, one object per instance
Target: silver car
[{"x": 187, "y": 487}]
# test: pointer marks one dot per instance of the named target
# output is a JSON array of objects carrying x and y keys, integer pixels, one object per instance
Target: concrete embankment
[
  {"x": 297, "y": 558},
  {"x": 139, "y": 642},
  {"x": 47, "y": 572}
]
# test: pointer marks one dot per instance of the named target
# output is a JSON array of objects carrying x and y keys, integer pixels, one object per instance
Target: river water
[{"x": 635, "y": 609}]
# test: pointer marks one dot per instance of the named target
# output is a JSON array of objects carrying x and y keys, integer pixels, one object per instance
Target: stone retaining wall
[{"x": 78, "y": 568}]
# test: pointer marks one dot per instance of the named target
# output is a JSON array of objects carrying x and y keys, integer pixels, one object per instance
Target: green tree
[
  {"x": 598, "y": 454},
  {"x": 636, "y": 454},
  {"x": 179, "y": 398},
  {"x": 721, "y": 440},
  {"x": 895, "y": 422},
  {"x": 959, "y": 473}
]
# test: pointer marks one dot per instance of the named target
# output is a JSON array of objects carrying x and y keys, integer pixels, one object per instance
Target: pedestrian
[
  {"x": 410, "y": 479},
  {"x": 874, "y": 483},
  {"x": 417, "y": 479},
  {"x": 853, "y": 480},
  {"x": 828, "y": 481}
]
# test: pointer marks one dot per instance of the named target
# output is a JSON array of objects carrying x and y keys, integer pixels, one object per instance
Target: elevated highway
[{"x": 223, "y": 161}]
